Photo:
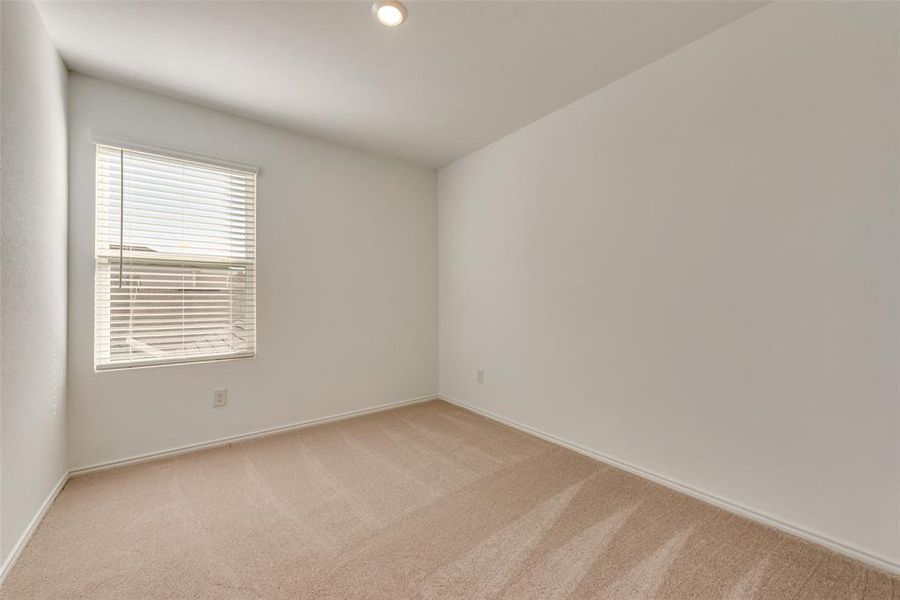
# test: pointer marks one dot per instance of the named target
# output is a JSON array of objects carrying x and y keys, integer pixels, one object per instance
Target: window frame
[{"x": 120, "y": 143}]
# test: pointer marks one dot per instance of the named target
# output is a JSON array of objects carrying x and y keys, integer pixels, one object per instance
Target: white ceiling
[{"x": 455, "y": 77}]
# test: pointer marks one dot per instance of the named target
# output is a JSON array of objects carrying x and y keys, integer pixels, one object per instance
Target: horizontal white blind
[{"x": 175, "y": 260}]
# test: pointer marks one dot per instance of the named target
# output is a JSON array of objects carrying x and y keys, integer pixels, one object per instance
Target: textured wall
[
  {"x": 33, "y": 191},
  {"x": 695, "y": 270},
  {"x": 347, "y": 284}
]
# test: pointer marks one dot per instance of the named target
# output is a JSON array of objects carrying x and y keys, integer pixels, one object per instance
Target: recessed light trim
[{"x": 389, "y": 13}]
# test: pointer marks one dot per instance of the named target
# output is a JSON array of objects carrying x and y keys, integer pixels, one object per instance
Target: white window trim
[{"x": 103, "y": 139}]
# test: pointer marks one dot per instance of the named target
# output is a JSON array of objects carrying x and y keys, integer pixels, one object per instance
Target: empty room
[{"x": 450, "y": 299}]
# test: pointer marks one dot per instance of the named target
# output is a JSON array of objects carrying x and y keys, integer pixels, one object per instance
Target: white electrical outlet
[
  {"x": 220, "y": 398},
  {"x": 479, "y": 375}
]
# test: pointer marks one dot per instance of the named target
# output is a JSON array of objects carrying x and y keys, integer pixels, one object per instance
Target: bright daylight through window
[{"x": 175, "y": 260}]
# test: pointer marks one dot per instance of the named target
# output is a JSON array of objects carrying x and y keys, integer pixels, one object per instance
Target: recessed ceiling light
[{"x": 389, "y": 12}]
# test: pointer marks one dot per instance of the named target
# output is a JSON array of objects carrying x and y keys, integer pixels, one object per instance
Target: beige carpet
[{"x": 426, "y": 501}]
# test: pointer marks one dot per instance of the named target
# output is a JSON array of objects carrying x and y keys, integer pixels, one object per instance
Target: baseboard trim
[
  {"x": 151, "y": 456},
  {"x": 843, "y": 548},
  {"x": 32, "y": 527},
  {"x": 224, "y": 441}
]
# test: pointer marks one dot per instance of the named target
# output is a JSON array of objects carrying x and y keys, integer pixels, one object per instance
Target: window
[{"x": 175, "y": 278}]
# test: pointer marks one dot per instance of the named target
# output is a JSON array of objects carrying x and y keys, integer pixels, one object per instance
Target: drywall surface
[
  {"x": 347, "y": 284},
  {"x": 695, "y": 270},
  {"x": 32, "y": 269}
]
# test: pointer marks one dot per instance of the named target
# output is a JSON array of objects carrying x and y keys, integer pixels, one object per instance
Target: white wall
[
  {"x": 32, "y": 269},
  {"x": 347, "y": 284},
  {"x": 695, "y": 270}
]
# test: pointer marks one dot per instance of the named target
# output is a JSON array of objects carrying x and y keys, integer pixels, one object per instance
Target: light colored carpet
[{"x": 425, "y": 501}]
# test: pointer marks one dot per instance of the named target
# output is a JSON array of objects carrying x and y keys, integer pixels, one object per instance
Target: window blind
[{"x": 175, "y": 278}]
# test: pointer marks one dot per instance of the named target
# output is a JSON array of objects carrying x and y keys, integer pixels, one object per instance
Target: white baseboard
[
  {"x": 843, "y": 548},
  {"x": 32, "y": 527},
  {"x": 224, "y": 441},
  {"x": 42, "y": 511}
]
